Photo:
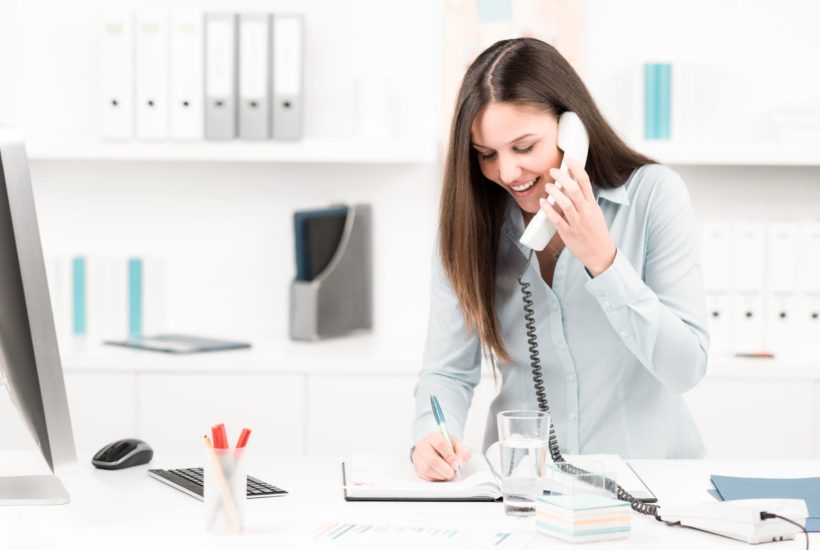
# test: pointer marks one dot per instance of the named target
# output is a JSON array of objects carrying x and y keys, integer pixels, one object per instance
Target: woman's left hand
[{"x": 580, "y": 222}]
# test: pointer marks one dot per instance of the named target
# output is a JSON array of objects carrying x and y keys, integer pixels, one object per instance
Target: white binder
[
  {"x": 187, "y": 69},
  {"x": 809, "y": 325},
  {"x": 749, "y": 255},
  {"x": 116, "y": 103},
  {"x": 749, "y": 324},
  {"x": 782, "y": 325},
  {"x": 220, "y": 76},
  {"x": 152, "y": 75},
  {"x": 783, "y": 253},
  {"x": 288, "y": 58},
  {"x": 716, "y": 248},
  {"x": 719, "y": 320},
  {"x": 254, "y": 76},
  {"x": 810, "y": 258}
]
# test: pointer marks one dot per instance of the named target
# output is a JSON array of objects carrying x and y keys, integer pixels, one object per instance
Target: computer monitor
[{"x": 29, "y": 356}]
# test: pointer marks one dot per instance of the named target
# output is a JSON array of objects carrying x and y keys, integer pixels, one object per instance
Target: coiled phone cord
[{"x": 543, "y": 405}]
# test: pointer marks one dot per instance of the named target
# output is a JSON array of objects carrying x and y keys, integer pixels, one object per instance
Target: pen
[{"x": 439, "y": 415}]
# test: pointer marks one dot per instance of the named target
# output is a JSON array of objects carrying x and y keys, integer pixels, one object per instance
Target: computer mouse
[{"x": 123, "y": 454}]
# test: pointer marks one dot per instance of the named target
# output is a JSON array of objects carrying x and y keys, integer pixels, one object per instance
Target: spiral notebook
[{"x": 368, "y": 477}]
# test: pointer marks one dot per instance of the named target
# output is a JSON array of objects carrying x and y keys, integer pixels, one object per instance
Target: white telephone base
[{"x": 740, "y": 519}]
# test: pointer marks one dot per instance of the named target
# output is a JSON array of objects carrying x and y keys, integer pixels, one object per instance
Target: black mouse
[{"x": 123, "y": 454}]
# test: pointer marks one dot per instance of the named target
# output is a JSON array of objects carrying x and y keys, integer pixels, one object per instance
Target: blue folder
[{"x": 807, "y": 488}]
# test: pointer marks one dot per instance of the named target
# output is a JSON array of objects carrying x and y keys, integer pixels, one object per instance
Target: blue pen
[{"x": 439, "y": 415}]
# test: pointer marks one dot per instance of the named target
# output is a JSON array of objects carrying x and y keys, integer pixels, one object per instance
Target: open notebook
[{"x": 368, "y": 477}]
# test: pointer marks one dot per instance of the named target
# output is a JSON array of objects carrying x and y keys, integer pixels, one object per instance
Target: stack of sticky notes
[{"x": 582, "y": 518}]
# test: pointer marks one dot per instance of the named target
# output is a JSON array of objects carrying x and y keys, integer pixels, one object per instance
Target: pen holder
[{"x": 225, "y": 488}]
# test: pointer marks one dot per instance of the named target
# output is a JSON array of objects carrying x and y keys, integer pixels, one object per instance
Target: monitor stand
[{"x": 32, "y": 491}]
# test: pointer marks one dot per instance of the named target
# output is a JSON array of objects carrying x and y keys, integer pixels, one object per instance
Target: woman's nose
[{"x": 508, "y": 169}]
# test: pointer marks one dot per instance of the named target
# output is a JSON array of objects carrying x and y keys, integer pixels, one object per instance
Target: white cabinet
[
  {"x": 360, "y": 413},
  {"x": 815, "y": 427},
  {"x": 756, "y": 419},
  {"x": 342, "y": 397},
  {"x": 484, "y": 394},
  {"x": 177, "y": 410},
  {"x": 103, "y": 407}
]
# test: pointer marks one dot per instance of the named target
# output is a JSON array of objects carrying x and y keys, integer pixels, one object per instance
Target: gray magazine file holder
[{"x": 339, "y": 300}]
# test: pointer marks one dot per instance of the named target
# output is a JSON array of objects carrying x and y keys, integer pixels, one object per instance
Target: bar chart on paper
[{"x": 417, "y": 534}]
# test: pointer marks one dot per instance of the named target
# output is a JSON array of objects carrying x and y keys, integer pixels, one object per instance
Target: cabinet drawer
[
  {"x": 360, "y": 414},
  {"x": 755, "y": 419},
  {"x": 176, "y": 411}
]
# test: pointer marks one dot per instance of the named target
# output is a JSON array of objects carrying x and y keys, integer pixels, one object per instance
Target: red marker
[
  {"x": 220, "y": 437},
  {"x": 243, "y": 438}
]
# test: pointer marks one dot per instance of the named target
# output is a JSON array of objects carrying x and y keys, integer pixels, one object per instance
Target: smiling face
[{"x": 516, "y": 147}]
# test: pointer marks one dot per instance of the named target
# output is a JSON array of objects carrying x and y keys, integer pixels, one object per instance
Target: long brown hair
[{"x": 529, "y": 72}]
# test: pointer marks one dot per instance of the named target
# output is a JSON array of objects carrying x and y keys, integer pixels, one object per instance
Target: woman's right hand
[{"x": 434, "y": 461}]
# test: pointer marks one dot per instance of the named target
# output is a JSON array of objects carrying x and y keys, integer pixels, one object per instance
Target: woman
[{"x": 617, "y": 294}]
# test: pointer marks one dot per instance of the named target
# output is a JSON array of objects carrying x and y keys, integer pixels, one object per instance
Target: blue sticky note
[{"x": 494, "y": 10}]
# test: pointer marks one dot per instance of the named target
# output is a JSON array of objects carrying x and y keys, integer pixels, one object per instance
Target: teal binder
[
  {"x": 134, "y": 298},
  {"x": 78, "y": 282}
]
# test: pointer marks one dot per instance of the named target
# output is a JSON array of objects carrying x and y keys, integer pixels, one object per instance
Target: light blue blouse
[{"x": 617, "y": 351}]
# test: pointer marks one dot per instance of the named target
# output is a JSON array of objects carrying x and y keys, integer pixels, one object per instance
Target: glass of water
[{"x": 522, "y": 437}]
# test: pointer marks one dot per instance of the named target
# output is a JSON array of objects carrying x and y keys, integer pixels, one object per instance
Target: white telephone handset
[{"x": 574, "y": 142}]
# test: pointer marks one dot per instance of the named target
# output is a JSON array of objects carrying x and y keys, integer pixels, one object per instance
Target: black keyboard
[{"x": 189, "y": 481}]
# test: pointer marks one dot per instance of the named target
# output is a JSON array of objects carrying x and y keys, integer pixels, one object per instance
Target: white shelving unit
[
  {"x": 308, "y": 150},
  {"x": 732, "y": 154}
]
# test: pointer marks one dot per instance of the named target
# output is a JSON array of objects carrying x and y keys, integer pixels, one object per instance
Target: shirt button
[
  {"x": 572, "y": 416},
  {"x": 623, "y": 333},
  {"x": 606, "y": 303},
  {"x": 560, "y": 345},
  {"x": 554, "y": 306},
  {"x": 571, "y": 378}
]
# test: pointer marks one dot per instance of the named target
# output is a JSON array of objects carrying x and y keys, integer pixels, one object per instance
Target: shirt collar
[
  {"x": 615, "y": 194},
  {"x": 513, "y": 224}
]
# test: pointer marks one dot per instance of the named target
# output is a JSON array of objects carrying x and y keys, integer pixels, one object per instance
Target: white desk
[{"x": 127, "y": 509}]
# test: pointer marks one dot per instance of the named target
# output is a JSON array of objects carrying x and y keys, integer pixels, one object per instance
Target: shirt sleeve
[
  {"x": 452, "y": 361},
  {"x": 662, "y": 317}
]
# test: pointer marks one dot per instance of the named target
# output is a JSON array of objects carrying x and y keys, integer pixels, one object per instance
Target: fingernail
[{"x": 541, "y": 202}]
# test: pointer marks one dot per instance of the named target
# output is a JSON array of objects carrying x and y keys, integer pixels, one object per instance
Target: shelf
[
  {"x": 363, "y": 354},
  {"x": 731, "y": 154},
  {"x": 309, "y": 150},
  {"x": 355, "y": 354}
]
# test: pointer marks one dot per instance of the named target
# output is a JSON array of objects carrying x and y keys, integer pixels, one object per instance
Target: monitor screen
[{"x": 29, "y": 356}]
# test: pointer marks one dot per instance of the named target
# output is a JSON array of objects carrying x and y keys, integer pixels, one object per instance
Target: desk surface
[{"x": 136, "y": 511}]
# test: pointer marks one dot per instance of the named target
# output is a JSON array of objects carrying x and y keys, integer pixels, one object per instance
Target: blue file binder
[{"x": 317, "y": 236}]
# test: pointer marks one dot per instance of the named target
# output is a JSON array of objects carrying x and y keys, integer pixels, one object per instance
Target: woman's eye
[
  {"x": 486, "y": 156},
  {"x": 524, "y": 151}
]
